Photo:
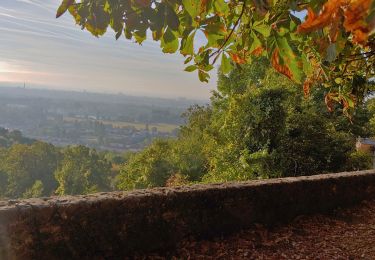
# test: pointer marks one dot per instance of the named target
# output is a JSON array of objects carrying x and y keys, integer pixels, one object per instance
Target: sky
[{"x": 45, "y": 52}]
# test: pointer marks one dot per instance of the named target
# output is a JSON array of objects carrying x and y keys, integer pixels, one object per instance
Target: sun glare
[
  {"x": 8, "y": 72},
  {"x": 3, "y": 67}
]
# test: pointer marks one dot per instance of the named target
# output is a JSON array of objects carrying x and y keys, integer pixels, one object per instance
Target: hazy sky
[{"x": 54, "y": 53}]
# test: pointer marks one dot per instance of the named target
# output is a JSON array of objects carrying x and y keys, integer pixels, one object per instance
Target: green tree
[
  {"x": 3, "y": 183},
  {"x": 189, "y": 151},
  {"x": 150, "y": 168},
  {"x": 257, "y": 126},
  {"x": 248, "y": 123},
  {"x": 312, "y": 145},
  {"x": 82, "y": 171},
  {"x": 35, "y": 191},
  {"x": 25, "y": 164}
]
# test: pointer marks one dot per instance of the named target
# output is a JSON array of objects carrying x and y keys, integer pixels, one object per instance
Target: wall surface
[{"x": 113, "y": 225}]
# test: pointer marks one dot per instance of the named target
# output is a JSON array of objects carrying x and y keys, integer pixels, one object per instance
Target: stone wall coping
[{"x": 6, "y": 205}]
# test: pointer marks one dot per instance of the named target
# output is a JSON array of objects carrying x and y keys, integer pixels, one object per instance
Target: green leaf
[
  {"x": 221, "y": 7},
  {"x": 191, "y": 68},
  {"x": 215, "y": 34},
  {"x": 64, "y": 7},
  {"x": 256, "y": 43},
  {"x": 118, "y": 34},
  {"x": 188, "y": 46},
  {"x": 172, "y": 18},
  {"x": 169, "y": 41},
  {"x": 262, "y": 28},
  {"x": 331, "y": 52},
  {"x": 307, "y": 67},
  {"x": 140, "y": 36},
  {"x": 192, "y": 7},
  {"x": 188, "y": 59},
  {"x": 226, "y": 65},
  {"x": 289, "y": 58},
  {"x": 203, "y": 76},
  {"x": 338, "y": 80}
]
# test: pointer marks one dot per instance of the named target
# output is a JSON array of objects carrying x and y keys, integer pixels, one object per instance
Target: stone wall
[{"x": 113, "y": 225}]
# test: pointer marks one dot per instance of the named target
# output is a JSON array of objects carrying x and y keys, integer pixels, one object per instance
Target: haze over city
[{"x": 45, "y": 52}]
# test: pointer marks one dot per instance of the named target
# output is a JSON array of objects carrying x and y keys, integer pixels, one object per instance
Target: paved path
[{"x": 344, "y": 234}]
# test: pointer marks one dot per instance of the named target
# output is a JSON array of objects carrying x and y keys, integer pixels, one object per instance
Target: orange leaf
[
  {"x": 237, "y": 59},
  {"x": 275, "y": 61},
  {"x": 355, "y": 14},
  {"x": 203, "y": 6},
  {"x": 328, "y": 14},
  {"x": 329, "y": 100},
  {"x": 306, "y": 87},
  {"x": 257, "y": 51}
]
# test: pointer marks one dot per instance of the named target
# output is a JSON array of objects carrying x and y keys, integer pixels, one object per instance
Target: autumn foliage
[
  {"x": 353, "y": 14},
  {"x": 333, "y": 45}
]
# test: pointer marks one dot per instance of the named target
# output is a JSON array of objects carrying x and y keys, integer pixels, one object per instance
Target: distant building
[{"x": 366, "y": 145}]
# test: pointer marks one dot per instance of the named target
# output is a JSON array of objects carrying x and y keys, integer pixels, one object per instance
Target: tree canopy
[
  {"x": 257, "y": 126},
  {"x": 334, "y": 45}
]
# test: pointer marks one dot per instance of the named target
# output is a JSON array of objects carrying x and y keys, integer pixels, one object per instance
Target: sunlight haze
[{"x": 45, "y": 52}]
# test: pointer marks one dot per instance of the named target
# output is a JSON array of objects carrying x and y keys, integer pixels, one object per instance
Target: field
[{"x": 117, "y": 124}]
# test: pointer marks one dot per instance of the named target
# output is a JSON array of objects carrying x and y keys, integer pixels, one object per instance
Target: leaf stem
[{"x": 217, "y": 52}]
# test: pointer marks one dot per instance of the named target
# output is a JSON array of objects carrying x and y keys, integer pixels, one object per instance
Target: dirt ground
[{"x": 343, "y": 234}]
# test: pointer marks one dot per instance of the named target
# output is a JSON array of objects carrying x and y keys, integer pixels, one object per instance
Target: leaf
[
  {"x": 226, "y": 66},
  {"x": 188, "y": 45},
  {"x": 237, "y": 58},
  {"x": 140, "y": 36},
  {"x": 171, "y": 18},
  {"x": 313, "y": 22},
  {"x": 191, "y": 68},
  {"x": 257, "y": 51},
  {"x": 306, "y": 87},
  {"x": 256, "y": 48},
  {"x": 285, "y": 60},
  {"x": 221, "y": 7},
  {"x": 262, "y": 28},
  {"x": 215, "y": 33},
  {"x": 280, "y": 67},
  {"x": 169, "y": 41},
  {"x": 329, "y": 100},
  {"x": 204, "y": 6},
  {"x": 64, "y": 7},
  {"x": 355, "y": 20},
  {"x": 331, "y": 52},
  {"x": 192, "y": 7},
  {"x": 188, "y": 59},
  {"x": 118, "y": 34},
  {"x": 203, "y": 76}
]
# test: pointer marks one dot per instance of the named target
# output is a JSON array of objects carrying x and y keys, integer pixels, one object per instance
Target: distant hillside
[{"x": 10, "y": 137}]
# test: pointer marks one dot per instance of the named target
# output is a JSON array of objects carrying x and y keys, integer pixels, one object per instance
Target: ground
[{"x": 343, "y": 234}]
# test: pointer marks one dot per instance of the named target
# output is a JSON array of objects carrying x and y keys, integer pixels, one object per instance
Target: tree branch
[{"x": 230, "y": 34}]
